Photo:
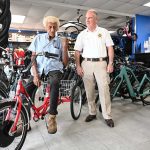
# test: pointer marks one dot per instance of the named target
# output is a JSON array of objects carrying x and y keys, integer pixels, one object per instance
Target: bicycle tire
[
  {"x": 120, "y": 31},
  {"x": 4, "y": 86},
  {"x": 5, "y": 7},
  {"x": 3, "y": 78},
  {"x": 3, "y": 93},
  {"x": 9, "y": 141},
  {"x": 84, "y": 97},
  {"x": 72, "y": 32},
  {"x": 5, "y": 25},
  {"x": 76, "y": 100},
  {"x": 4, "y": 41},
  {"x": 145, "y": 99}
]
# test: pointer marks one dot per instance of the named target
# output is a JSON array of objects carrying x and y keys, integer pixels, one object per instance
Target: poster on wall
[{"x": 143, "y": 33}]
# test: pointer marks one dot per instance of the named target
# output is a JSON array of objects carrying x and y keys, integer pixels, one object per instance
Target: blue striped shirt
[{"x": 41, "y": 43}]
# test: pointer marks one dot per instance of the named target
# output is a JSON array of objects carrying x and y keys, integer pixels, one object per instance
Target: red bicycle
[{"x": 14, "y": 118}]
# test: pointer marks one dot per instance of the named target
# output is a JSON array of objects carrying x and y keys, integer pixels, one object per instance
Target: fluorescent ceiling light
[
  {"x": 17, "y": 19},
  {"x": 112, "y": 32},
  {"x": 147, "y": 4}
]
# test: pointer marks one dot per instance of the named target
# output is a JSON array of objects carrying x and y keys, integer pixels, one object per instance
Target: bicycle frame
[
  {"x": 123, "y": 75},
  {"x": 41, "y": 111},
  {"x": 15, "y": 117},
  {"x": 133, "y": 91},
  {"x": 144, "y": 79}
]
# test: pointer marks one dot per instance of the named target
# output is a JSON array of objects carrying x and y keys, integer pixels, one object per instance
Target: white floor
[{"x": 131, "y": 131}]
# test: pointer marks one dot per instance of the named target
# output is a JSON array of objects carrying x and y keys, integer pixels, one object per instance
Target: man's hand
[
  {"x": 80, "y": 71},
  {"x": 37, "y": 81},
  {"x": 110, "y": 68}
]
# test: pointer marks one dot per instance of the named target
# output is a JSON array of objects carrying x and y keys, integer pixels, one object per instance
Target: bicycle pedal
[
  {"x": 42, "y": 117},
  {"x": 35, "y": 119}
]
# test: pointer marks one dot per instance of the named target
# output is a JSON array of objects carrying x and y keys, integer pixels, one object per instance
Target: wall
[{"x": 143, "y": 32}]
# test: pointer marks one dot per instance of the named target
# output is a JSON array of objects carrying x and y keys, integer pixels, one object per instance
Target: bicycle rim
[
  {"x": 72, "y": 32},
  {"x": 145, "y": 91},
  {"x": 76, "y": 103},
  {"x": 3, "y": 93},
  {"x": 9, "y": 140}
]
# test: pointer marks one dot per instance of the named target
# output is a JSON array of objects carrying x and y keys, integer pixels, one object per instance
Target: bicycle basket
[{"x": 66, "y": 87}]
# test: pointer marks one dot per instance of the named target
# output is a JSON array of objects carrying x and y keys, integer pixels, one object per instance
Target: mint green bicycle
[{"x": 128, "y": 81}]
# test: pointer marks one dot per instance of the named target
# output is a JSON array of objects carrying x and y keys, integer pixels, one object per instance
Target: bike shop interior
[{"x": 128, "y": 22}]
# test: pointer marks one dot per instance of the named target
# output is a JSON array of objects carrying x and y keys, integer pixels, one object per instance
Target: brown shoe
[
  {"x": 109, "y": 122},
  {"x": 52, "y": 125},
  {"x": 90, "y": 118}
]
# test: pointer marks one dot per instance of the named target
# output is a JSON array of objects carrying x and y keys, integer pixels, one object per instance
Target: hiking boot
[{"x": 52, "y": 125}]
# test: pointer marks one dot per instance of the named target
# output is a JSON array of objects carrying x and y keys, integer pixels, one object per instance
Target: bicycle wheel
[
  {"x": 76, "y": 102},
  {"x": 12, "y": 140},
  {"x": 4, "y": 9},
  {"x": 72, "y": 32},
  {"x": 3, "y": 93},
  {"x": 5, "y": 24},
  {"x": 146, "y": 97},
  {"x": 120, "y": 31},
  {"x": 4, "y": 86}
]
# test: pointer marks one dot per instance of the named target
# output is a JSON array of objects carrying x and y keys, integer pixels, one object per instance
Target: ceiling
[{"x": 112, "y": 13}]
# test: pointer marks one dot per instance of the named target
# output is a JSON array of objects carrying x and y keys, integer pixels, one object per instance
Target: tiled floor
[{"x": 131, "y": 131}]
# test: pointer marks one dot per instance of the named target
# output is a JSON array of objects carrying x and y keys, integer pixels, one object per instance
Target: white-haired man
[{"x": 49, "y": 42}]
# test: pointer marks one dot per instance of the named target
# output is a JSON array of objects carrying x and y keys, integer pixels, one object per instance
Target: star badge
[{"x": 99, "y": 35}]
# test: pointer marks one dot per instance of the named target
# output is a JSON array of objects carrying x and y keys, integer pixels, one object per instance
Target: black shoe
[
  {"x": 109, "y": 122},
  {"x": 90, "y": 118}
]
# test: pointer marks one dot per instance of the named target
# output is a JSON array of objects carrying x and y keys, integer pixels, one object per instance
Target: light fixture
[
  {"x": 147, "y": 4},
  {"x": 112, "y": 32},
  {"x": 17, "y": 19}
]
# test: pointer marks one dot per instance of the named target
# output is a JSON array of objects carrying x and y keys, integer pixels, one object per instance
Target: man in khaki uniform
[{"x": 93, "y": 43}]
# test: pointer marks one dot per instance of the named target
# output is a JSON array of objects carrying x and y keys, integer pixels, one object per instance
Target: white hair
[
  {"x": 93, "y": 11},
  {"x": 51, "y": 19}
]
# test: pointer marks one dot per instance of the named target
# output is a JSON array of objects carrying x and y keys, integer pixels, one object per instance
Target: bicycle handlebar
[
  {"x": 46, "y": 54},
  {"x": 50, "y": 55}
]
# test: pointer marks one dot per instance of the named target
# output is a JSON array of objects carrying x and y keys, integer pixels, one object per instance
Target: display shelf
[{"x": 15, "y": 44}]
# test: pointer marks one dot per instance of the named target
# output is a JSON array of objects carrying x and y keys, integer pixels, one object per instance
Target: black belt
[{"x": 95, "y": 59}]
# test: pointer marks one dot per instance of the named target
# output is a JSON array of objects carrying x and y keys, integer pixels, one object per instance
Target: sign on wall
[{"x": 143, "y": 33}]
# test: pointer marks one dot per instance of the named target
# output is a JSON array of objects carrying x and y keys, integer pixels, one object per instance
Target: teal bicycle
[{"x": 127, "y": 82}]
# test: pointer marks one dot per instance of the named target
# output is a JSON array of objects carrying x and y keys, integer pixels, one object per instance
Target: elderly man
[{"x": 53, "y": 68}]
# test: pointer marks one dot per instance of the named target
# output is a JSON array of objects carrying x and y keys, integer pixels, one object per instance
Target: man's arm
[
  {"x": 110, "y": 67},
  {"x": 65, "y": 56},
  {"x": 77, "y": 58},
  {"x": 36, "y": 78},
  {"x": 78, "y": 66},
  {"x": 111, "y": 54}
]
